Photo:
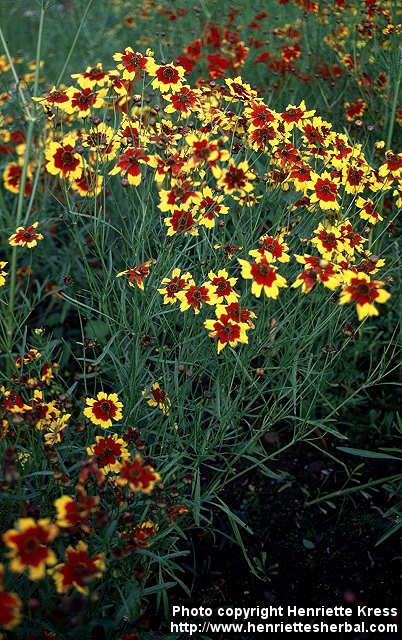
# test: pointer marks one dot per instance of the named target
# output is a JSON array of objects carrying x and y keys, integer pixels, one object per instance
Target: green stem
[
  {"x": 393, "y": 109},
  {"x": 59, "y": 79},
  {"x": 10, "y": 328}
]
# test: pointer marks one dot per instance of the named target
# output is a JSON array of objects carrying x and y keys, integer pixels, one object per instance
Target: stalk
[{"x": 10, "y": 321}]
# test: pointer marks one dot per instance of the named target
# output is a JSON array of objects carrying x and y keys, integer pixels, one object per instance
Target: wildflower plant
[{"x": 176, "y": 231}]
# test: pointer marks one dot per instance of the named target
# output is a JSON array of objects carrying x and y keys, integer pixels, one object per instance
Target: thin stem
[
  {"x": 59, "y": 79},
  {"x": 393, "y": 110},
  {"x": 20, "y": 204}
]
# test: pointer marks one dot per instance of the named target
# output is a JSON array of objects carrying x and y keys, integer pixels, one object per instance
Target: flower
[
  {"x": 139, "y": 477},
  {"x": 181, "y": 221},
  {"x": 325, "y": 192},
  {"x": 104, "y": 409},
  {"x": 157, "y": 397},
  {"x": 194, "y": 296},
  {"x": 227, "y": 330},
  {"x": 166, "y": 76},
  {"x": 129, "y": 164},
  {"x": 108, "y": 452},
  {"x": 2, "y": 273},
  {"x": 91, "y": 77},
  {"x": 223, "y": 286},
  {"x": 75, "y": 512},
  {"x": 12, "y": 175},
  {"x": 28, "y": 544},
  {"x": 140, "y": 536},
  {"x": 317, "y": 270},
  {"x": 55, "y": 429},
  {"x": 327, "y": 240},
  {"x": 63, "y": 160},
  {"x": 264, "y": 276},
  {"x": 83, "y": 100},
  {"x": 364, "y": 292},
  {"x": 131, "y": 63},
  {"x": 177, "y": 282},
  {"x": 25, "y": 237},
  {"x": 78, "y": 569},
  {"x": 10, "y": 606},
  {"x": 137, "y": 274},
  {"x": 237, "y": 178},
  {"x": 184, "y": 101}
]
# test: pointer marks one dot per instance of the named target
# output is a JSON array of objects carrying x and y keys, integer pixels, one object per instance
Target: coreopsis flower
[
  {"x": 140, "y": 536},
  {"x": 47, "y": 371},
  {"x": 3, "y": 273},
  {"x": 177, "y": 282},
  {"x": 194, "y": 297},
  {"x": 181, "y": 221},
  {"x": 235, "y": 312},
  {"x": 55, "y": 429},
  {"x": 105, "y": 408},
  {"x": 327, "y": 240},
  {"x": 167, "y": 77},
  {"x": 368, "y": 211},
  {"x": 63, "y": 160},
  {"x": 258, "y": 114},
  {"x": 237, "y": 178},
  {"x": 10, "y": 606},
  {"x": 223, "y": 286},
  {"x": 84, "y": 100},
  {"x": 227, "y": 331},
  {"x": 352, "y": 240},
  {"x": 12, "y": 175},
  {"x": 92, "y": 77},
  {"x": 108, "y": 452},
  {"x": 273, "y": 248},
  {"x": 294, "y": 115},
  {"x": 55, "y": 97},
  {"x": 239, "y": 90},
  {"x": 78, "y": 569},
  {"x": 89, "y": 184},
  {"x": 136, "y": 275},
  {"x": 29, "y": 356},
  {"x": 29, "y": 546},
  {"x": 102, "y": 141},
  {"x": 75, "y": 512},
  {"x": 203, "y": 151},
  {"x": 26, "y": 237},
  {"x": 316, "y": 270},
  {"x": 325, "y": 192},
  {"x": 393, "y": 165},
  {"x": 184, "y": 102},
  {"x": 139, "y": 477},
  {"x": 264, "y": 277},
  {"x": 157, "y": 397},
  {"x": 182, "y": 194},
  {"x": 302, "y": 176},
  {"x": 13, "y": 402},
  {"x": 209, "y": 208},
  {"x": 354, "y": 110},
  {"x": 359, "y": 289},
  {"x": 354, "y": 178},
  {"x": 129, "y": 164},
  {"x": 132, "y": 64}
]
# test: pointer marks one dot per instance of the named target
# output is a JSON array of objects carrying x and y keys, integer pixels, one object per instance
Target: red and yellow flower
[
  {"x": 359, "y": 289},
  {"x": 316, "y": 270},
  {"x": 223, "y": 286},
  {"x": 26, "y": 237},
  {"x": 78, "y": 569},
  {"x": 29, "y": 546},
  {"x": 136, "y": 275},
  {"x": 75, "y": 512},
  {"x": 63, "y": 160},
  {"x": 226, "y": 330},
  {"x": 108, "y": 452},
  {"x": 264, "y": 277},
  {"x": 104, "y": 409},
  {"x": 157, "y": 397},
  {"x": 177, "y": 282},
  {"x": 132, "y": 63},
  {"x": 167, "y": 77},
  {"x": 194, "y": 297},
  {"x": 3, "y": 273},
  {"x": 129, "y": 164},
  {"x": 137, "y": 475},
  {"x": 10, "y": 606}
]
